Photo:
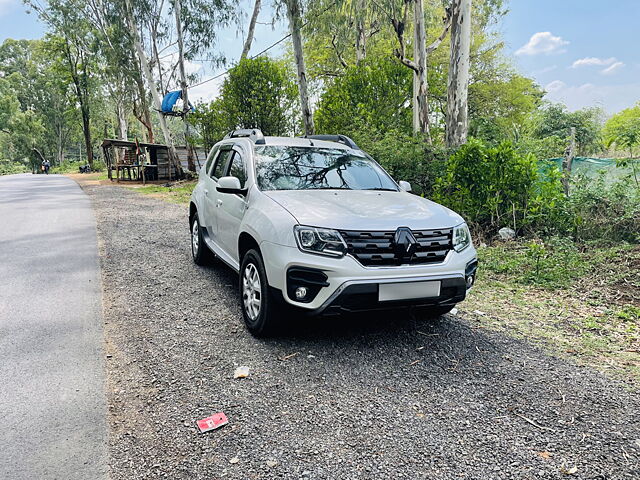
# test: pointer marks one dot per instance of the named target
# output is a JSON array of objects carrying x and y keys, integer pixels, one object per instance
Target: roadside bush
[
  {"x": 407, "y": 157},
  {"x": 602, "y": 211},
  {"x": 9, "y": 167},
  {"x": 495, "y": 187}
]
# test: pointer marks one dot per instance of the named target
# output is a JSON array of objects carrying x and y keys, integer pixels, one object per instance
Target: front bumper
[{"x": 351, "y": 286}]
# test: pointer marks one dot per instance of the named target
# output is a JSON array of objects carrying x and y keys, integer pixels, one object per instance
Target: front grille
[{"x": 377, "y": 248}]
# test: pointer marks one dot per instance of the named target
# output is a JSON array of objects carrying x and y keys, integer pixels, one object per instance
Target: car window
[
  {"x": 221, "y": 163},
  {"x": 210, "y": 158},
  {"x": 280, "y": 167},
  {"x": 238, "y": 168}
]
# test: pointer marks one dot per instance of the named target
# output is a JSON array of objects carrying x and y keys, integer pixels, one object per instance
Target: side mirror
[
  {"x": 230, "y": 185},
  {"x": 404, "y": 186}
]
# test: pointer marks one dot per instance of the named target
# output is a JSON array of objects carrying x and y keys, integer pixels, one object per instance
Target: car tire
[
  {"x": 199, "y": 249},
  {"x": 261, "y": 310}
]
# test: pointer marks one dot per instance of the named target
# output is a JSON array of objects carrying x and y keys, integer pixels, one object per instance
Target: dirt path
[{"x": 362, "y": 397}]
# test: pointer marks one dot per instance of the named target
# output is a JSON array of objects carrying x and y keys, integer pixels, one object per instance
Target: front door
[
  {"x": 212, "y": 196},
  {"x": 231, "y": 207}
]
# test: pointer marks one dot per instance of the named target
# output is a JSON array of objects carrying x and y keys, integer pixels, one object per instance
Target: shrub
[
  {"x": 604, "y": 211},
  {"x": 407, "y": 157},
  {"x": 9, "y": 167},
  {"x": 494, "y": 187}
]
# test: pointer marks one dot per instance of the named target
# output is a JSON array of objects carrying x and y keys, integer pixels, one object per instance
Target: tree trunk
[
  {"x": 457, "y": 124},
  {"x": 86, "y": 129},
  {"x": 183, "y": 85},
  {"x": 567, "y": 162},
  {"x": 142, "y": 114},
  {"x": 251, "y": 31},
  {"x": 361, "y": 34},
  {"x": 420, "y": 84},
  {"x": 293, "y": 12},
  {"x": 123, "y": 128},
  {"x": 173, "y": 157}
]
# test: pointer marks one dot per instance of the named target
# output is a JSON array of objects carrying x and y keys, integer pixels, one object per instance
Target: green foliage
[
  {"x": 623, "y": 129},
  {"x": 602, "y": 211},
  {"x": 554, "y": 121},
  {"x": 211, "y": 121},
  {"x": 493, "y": 186},
  {"x": 9, "y": 167},
  {"x": 406, "y": 157},
  {"x": 257, "y": 93},
  {"x": 499, "y": 107},
  {"x": 372, "y": 97}
]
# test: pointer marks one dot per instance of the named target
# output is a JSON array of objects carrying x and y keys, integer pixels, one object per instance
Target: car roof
[{"x": 303, "y": 142}]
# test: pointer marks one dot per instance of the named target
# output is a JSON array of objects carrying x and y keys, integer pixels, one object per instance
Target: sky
[{"x": 582, "y": 52}]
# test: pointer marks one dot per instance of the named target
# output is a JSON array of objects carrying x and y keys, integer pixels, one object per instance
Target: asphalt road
[{"x": 52, "y": 399}]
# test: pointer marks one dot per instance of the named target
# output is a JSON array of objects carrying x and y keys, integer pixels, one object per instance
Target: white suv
[{"x": 316, "y": 224}]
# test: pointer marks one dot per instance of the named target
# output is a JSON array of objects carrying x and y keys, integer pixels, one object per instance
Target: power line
[{"x": 263, "y": 51}]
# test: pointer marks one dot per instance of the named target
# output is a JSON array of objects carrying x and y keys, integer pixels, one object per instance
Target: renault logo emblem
[{"x": 404, "y": 245}]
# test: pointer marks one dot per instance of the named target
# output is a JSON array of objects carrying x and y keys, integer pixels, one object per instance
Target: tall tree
[
  {"x": 400, "y": 20},
  {"x": 78, "y": 42},
  {"x": 144, "y": 62},
  {"x": 457, "y": 123},
  {"x": 295, "y": 24},
  {"x": 252, "y": 28},
  {"x": 183, "y": 84}
]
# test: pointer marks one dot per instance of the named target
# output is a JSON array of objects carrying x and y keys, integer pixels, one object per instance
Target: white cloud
[
  {"x": 610, "y": 70},
  {"x": 591, "y": 61},
  {"x": 555, "y": 86},
  {"x": 543, "y": 42}
]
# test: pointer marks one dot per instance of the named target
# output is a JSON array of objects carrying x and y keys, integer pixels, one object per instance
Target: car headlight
[
  {"x": 323, "y": 241},
  {"x": 461, "y": 237}
]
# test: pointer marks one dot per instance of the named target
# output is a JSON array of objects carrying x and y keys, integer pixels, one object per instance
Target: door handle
[
  {"x": 206, "y": 192},
  {"x": 218, "y": 202}
]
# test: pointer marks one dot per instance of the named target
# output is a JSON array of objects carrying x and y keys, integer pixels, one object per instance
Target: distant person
[{"x": 47, "y": 166}]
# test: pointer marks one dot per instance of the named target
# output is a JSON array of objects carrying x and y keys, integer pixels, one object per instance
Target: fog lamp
[{"x": 301, "y": 292}]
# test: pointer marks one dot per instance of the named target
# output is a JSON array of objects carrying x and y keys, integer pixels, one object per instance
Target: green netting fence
[{"x": 592, "y": 167}]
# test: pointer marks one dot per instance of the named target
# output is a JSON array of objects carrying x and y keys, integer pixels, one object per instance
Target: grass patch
[
  {"x": 582, "y": 302},
  {"x": 179, "y": 192}
]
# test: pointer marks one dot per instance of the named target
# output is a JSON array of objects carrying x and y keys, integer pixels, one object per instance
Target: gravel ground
[{"x": 361, "y": 397}]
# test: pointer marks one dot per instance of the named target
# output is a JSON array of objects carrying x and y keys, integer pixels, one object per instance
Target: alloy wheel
[
  {"x": 195, "y": 237},
  {"x": 251, "y": 291}
]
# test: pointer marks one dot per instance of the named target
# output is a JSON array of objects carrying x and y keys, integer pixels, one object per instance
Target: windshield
[{"x": 280, "y": 167}]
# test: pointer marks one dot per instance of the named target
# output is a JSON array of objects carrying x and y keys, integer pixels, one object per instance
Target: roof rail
[
  {"x": 335, "y": 138},
  {"x": 253, "y": 134}
]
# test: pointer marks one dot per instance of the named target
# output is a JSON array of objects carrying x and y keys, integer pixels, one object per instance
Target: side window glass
[
  {"x": 221, "y": 163},
  {"x": 210, "y": 158},
  {"x": 238, "y": 169}
]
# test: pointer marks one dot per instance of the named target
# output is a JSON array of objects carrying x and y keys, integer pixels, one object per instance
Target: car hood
[{"x": 364, "y": 209}]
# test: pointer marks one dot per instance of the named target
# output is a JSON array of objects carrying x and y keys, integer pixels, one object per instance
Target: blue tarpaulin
[{"x": 169, "y": 101}]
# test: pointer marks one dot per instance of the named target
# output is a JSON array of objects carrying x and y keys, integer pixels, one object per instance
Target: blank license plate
[{"x": 407, "y": 290}]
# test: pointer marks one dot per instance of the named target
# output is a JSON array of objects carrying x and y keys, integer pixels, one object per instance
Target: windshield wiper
[{"x": 382, "y": 189}]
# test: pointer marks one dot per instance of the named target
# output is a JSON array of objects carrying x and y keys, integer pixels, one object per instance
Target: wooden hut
[{"x": 135, "y": 161}]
